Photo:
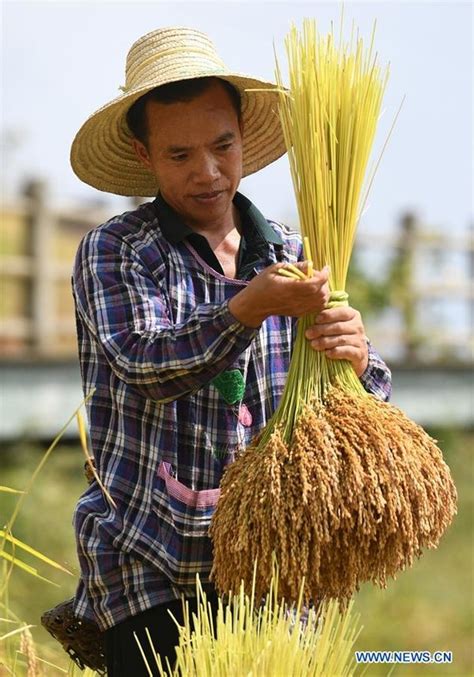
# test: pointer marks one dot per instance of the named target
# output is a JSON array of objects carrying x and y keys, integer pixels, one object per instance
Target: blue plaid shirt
[{"x": 154, "y": 330}]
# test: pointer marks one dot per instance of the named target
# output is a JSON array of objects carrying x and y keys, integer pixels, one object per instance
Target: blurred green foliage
[
  {"x": 427, "y": 608},
  {"x": 370, "y": 296},
  {"x": 395, "y": 289},
  {"x": 44, "y": 523}
]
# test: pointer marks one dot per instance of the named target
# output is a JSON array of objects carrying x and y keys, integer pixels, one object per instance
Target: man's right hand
[{"x": 269, "y": 293}]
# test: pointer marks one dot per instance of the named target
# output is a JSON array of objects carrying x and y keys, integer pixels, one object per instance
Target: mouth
[{"x": 209, "y": 197}]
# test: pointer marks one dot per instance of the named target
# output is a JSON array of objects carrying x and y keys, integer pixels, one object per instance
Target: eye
[
  {"x": 225, "y": 146},
  {"x": 179, "y": 158}
]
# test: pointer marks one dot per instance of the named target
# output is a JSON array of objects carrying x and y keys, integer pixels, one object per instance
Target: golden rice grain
[{"x": 356, "y": 496}]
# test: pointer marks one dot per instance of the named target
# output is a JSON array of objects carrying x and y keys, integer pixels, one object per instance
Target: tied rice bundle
[{"x": 342, "y": 487}]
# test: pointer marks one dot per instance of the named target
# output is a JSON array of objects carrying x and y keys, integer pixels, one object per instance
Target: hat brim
[{"x": 102, "y": 154}]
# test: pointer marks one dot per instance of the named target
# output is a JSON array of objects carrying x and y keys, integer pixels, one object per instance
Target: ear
[{"x": 142, "y": 153}]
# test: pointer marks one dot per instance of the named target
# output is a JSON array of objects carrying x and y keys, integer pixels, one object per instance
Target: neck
[
  {"x": 217, "y": 231},
  {"x": 224, "y": 240}
]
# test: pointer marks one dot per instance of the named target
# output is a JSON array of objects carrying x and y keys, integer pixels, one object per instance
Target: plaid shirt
[{"x": 154, "y": 332}]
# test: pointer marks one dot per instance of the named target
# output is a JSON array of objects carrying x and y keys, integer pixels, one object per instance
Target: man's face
[{"x": 194, "y": 149}]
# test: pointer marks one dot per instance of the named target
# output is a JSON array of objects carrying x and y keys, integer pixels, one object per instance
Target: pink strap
[{"x": 194, "y": 499}]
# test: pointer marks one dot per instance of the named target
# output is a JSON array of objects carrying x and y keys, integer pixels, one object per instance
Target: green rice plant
[
  {"x": 262, "y": 639},
  {"x": 18, "y": 653}
]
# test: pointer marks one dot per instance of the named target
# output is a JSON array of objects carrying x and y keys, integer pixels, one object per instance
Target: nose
[{"x": 207, "y": 169}]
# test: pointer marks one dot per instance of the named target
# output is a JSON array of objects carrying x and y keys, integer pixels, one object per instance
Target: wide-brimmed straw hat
[{"x": 102, "y": 154}]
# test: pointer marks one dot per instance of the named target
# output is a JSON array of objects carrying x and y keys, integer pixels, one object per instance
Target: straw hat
[{"x": 102, "y": 153}]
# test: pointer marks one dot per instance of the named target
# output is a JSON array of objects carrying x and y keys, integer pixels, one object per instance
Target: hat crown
[{"x": 170, "y": 54}]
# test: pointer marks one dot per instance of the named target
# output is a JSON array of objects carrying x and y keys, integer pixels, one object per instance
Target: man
[{"x": 185, "y": 329}]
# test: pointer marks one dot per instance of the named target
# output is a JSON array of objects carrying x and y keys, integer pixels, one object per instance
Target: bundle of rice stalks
[
  {"x": 342, "y": 487},
  {"x": 248, "y": 638}
]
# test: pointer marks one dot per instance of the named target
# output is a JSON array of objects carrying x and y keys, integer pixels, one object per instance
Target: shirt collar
[{"x": 175, "y": 230}]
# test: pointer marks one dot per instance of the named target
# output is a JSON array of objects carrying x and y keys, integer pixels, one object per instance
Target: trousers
[{"x": 123, "y": 656}]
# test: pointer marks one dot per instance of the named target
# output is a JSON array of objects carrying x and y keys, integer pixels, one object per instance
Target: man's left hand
[{"x": 341, "y": 334}]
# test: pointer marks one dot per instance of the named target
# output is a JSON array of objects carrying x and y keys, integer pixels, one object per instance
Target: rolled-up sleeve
[{"x": 121, "y": 304}]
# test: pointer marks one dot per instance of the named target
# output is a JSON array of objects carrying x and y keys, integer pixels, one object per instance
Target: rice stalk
[
  {"x": 18, "y": 655},
  {"x": 263, "y": 637},
  {"x": 340, "y": 487}
]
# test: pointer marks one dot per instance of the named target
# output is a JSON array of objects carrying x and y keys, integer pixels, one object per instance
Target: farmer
[{"x": 185, "y": 328}]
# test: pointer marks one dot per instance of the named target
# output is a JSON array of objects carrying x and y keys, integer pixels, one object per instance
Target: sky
[{"x": 63, "y": 60}]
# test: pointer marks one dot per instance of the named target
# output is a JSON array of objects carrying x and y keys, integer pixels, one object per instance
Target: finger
[
  {"x": 318, "y": 276},
  {"x": 303, "y": 265},
  {"x": 344, "y": 353},
  {"x": 275, "y": 267},
  {"x": 334, "y": 329},
  {"x": 339, "y": 314},
  {"x": 287, "y": 272},
  {"x": 357, "y": 358},
  {"x": 325, "y": 288},
  {"x": 331, "y": 342},
  {"x": 326, "y": 292},
  {"x": 281, "y": 272},
  {"x": 318, "y": 285}
]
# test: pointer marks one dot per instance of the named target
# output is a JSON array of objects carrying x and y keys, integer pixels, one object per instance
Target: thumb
[{"x": 323, "y": 274}]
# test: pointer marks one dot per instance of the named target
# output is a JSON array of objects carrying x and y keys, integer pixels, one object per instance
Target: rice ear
[{"x": 356, "y": 497}]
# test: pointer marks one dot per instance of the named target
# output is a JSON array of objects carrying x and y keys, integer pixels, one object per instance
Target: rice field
[{"x": 427, "y": 608}]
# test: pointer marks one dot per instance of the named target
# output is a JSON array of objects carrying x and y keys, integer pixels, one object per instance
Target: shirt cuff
[{"x": 377, "y": 378}]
